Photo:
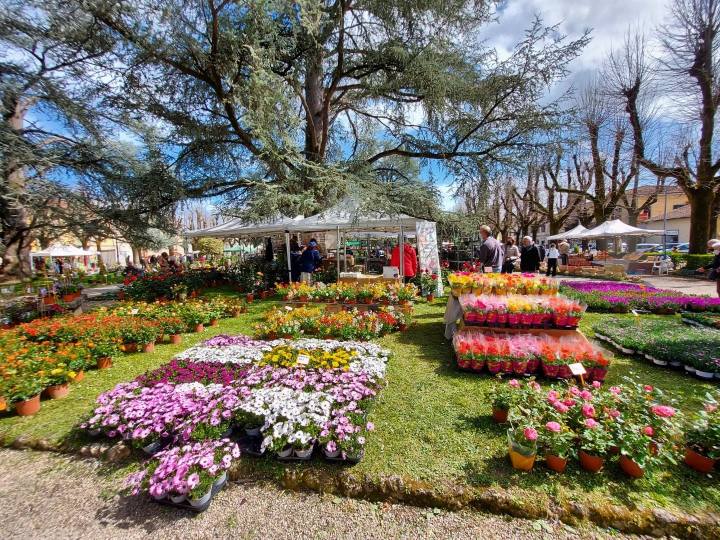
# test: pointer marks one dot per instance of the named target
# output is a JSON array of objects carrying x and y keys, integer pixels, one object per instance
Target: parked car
[
  {"x": 642, "y": 248},
  {"x": 684, "y": 248}
]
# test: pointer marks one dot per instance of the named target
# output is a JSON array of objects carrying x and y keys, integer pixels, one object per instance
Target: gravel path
[{"x": 45, "y": 495}]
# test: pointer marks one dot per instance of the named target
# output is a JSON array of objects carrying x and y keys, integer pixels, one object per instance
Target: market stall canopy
[
  {"x": 615, "y": 227},
  {"x": 572, "y": 233},
  {"x": 64, "y": 251},
  {"x": 348, "y": 215},
  {"x": 238, "y": 227}
]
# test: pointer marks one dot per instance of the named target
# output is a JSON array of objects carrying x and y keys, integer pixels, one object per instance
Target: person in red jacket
[{"x": 410, "y": 263}]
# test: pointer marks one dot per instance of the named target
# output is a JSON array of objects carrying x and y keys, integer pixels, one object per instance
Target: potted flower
[
  {"x": 702, "y": 437},
  {"x": 69, "y": 292},
  {"x": 522, "y": 446},
  {"x": 172, "y": 327},
  {"x": 558, "y": 442},
  {"x": 502, "y": 397},
  {"x": 103, "y": 351},
  {"x": 252, "y": 423},
  {"x": 24, "y": 393},
  {"x": 58, "y": 379},
  {"x": 595, "y": 441}
]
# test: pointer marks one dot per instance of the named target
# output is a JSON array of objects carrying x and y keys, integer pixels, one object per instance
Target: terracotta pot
[
  {"x": 430, "y": 297},
  {"x": 3, "y": 404},
  {"x": 213, "y": 322},
  {"x": 697, "y": 461},
  {"x": 130, "y": 347},
  {"x": 175, "y": 339},
  {"x": 556, "y": 463},
  {"x": 236, "y": 313},
  {"x": 402, "y": 327},
  {"x": 149, "y": 347},
  {"x": 520, "y": 462},
  {"x": 58, "y": 391},
  {"x": 49, "y": 300},
  {"x": 71, "y": 297},
  {"x": 28, "y": 407},
  {"x": 199, "y": 327},
  {"x": 250, "y": 297},
  {"x": 264, "y": 294},
  {"x": 631, "y": 468},
  {"x": 500, "y": 415},
  {"x": 104, "y": 363},
  {"x": 591, "y": 463},
  {"x": 79, "y": 376}
]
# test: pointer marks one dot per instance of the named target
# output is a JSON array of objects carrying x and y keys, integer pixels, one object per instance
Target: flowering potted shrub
[
  {"x": 58, "y": 380},
  {"x": 69, "y": 292},
  {"x": 502, "y": 397},
  {"x": 139, "y": 333},
  {"x": 251, "y": 422},
  {"x": 595, "y": 440},
  {"x": 522, "y": 446},
  {"x": 558, "y": 442},
  {"x": 173, "y": 327},
  {"x": 23, "y": 392},
  {"x": 702, "y": 437}
]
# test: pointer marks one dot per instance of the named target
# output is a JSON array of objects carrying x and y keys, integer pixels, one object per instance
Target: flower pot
[
  {"x": 659, "y": 362},
  {"x": 49, "y": 300},
  {"x": 152, "y": 447},
  {"x": 263, "y": 295},
  {"x": 28, "y": 407},
  {"x": 591, "y": 463},
  {"x": 79, "y": 376},
  {"x": 520, "y": 462},
  {"x": 220, "y": 480},
  {"x": 430, "y": 297},
  {"x": 500, "y": 415},
  {"x": 631, "y": 468},
  {"x": 704, "y": 374},
  {"x": 689, "y": 369},
  {"x": 177, "y": 499},
  {"x": 149, "y": 347},
  {"x": 202, "y": 501},
  {"x": 555, "y": 463},
  {"x": 697, "y": 461},
  {"x": 176, "y": 339},
  {"x": 250, "y": 297},
  {"x": 252, "y": 431},
  {"x": 332, "y": 455},
  {"x": 104, "y": 363},
  {"x": 199, "y": 328},
  {"x": 285, "y": 452},
  {"x": 3, "y": 404},
  {"x": 675, "y": 364},
  {"x": 130, "y": 347},
  {"x": 303, "y": 453},
  {"x": 213, "y": 322},
  {"x": 70, "y": 297},
  {"x": 58, "y": 391},
  {"x": 494, "y": 366}
]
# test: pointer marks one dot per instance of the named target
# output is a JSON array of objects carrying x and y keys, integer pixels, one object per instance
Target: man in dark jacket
[
  {"x": 529, "y": 256},
  {"x": 491, "y": 252},
  {"x": 309, "y": 261}
]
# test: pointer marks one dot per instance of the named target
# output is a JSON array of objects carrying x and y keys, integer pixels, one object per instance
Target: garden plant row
[{"x": 665, "y": 342}]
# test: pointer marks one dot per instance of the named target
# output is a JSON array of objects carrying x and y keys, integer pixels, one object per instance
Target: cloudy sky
[{"x": 608, "y": 20}]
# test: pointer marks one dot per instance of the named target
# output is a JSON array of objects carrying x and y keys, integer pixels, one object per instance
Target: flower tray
[
  {"x": 293, "y": 457},
  {"x": 347, "y": 460},
  {"x": 185, "y": 505}
]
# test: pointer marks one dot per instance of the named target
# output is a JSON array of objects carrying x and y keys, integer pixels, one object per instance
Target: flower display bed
[
  {"x": 710, "y": 320},
  {"x": 349, "y": 293},
  {"x": 636, "y": 424},
  {"x": 500, "y": 284},
  {"x": 286, "y": 398},
  {"x": 516, "y": 352},
  {"x": 616, "y": 297},
  {"x": 521, "y": 311},
  {"x": 315, "y": 321},
  {"x": 665, "y": 342},
  {"x": 50, "y": 352}
]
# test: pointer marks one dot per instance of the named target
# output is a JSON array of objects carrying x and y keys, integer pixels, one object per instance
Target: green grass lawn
[{"x": 432, "y": 423}]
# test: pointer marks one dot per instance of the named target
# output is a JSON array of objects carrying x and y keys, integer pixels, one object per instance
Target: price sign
[
  {"x": 577, "y": 369},
  {"x": 135, "y": 311},
  {"x": 303, "y": 360}
]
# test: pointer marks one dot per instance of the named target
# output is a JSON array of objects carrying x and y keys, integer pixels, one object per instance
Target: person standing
[
  {"x": 529, "y": 256},
  {"x": 512, "y": 254},
  {"x": 564, "y": 249},
  {"x": 410, "y": 263},
  {"x": 714, "y": 266},
  {"x": 491, "y": 251},
  {"x": 553, "y": 254},
  {"x": 310, "y": 260}
]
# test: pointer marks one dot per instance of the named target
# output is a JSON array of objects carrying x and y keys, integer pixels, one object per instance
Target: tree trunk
[
  {"x": 715, "y": 216},
  {"x": 632, "y": 241},
  {"x": 101, "y": 263},
  {"x": 314, "y": 99},
  {"x": 135, "y": 255},
  {"x": 701, "y": 203}
]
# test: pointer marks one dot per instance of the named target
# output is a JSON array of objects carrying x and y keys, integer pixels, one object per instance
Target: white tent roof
[
  {"x": 615, "y": 227},
  {"x": 346, "y": 215},
  {"x": 237, "y": 227},
  {"x": 64, "y": 251},
  {"x": 572, "y": 233}
]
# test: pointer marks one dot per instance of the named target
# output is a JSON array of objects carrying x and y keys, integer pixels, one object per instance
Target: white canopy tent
[
  {"x": 64, "y": 251},
  {"x": 571, "y": 234},
  {"x": 345, "y": 217},
  {"x": 615, "y": 228}
]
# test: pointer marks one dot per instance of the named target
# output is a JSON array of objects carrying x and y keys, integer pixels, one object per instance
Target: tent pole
[
  {"x": 337, "y": 255},
  {"x": 287, "y": 253},
  {"x": 402, "y": 254},
  {"x": 345, "y": 255},
  {"x": 367, "y": 255}
]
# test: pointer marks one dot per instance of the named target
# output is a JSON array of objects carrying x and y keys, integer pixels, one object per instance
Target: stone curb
[{"x": 650, "y": 521}]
